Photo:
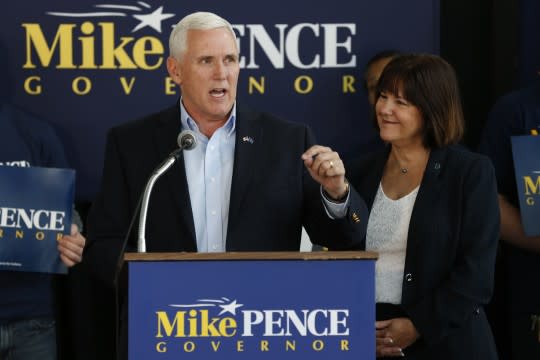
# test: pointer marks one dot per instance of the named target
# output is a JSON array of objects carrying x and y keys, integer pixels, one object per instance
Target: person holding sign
[
  {"x": 434, "y": 218},
  {"x": 27, "y": 301},
  {"x": 516, "y": 114}
]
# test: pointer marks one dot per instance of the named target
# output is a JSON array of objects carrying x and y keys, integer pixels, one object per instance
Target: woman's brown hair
[{"x": 429, "y": 83}]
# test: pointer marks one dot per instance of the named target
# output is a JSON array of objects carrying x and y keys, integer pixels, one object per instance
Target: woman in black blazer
[{"x": 434, "y": 218}]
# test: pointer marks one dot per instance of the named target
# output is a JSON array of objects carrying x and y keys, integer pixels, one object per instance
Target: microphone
[{"x": 186, "y": 140}]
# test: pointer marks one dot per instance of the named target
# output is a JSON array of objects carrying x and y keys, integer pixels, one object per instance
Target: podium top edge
[{"x": 274, "y": 255}]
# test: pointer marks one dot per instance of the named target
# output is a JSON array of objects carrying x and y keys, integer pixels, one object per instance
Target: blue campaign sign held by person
[
  {"x": 35, "y": 210},
  {"x": 252, "y": 309},
  {"x": 525, "y": 150}
]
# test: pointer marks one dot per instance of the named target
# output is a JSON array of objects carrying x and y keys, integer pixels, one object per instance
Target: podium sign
[{"x": 252, "y": 309}]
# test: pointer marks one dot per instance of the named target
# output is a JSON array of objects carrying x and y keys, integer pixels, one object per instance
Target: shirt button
[
  {"x": 214, "y": 247},
  {"x": 213, "y": 179},
  {"x": 408, "y": 277},
  {"x": 212, "y": 147},
  {"x": 213, "y": 212}
]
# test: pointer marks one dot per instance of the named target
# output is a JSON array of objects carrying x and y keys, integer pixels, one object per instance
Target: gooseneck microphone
[{"x": 187, "y": 140}]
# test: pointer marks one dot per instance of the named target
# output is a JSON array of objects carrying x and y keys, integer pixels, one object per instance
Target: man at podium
[{"x": 250, "y": 184}]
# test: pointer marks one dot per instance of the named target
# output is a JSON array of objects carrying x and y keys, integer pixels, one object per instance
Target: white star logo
[
  {"x": 153, "y": 20},
  {"x": 230, "y": 307}
]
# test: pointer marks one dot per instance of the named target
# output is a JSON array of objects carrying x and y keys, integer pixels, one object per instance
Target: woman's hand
[{"x": 394, "y": 335}]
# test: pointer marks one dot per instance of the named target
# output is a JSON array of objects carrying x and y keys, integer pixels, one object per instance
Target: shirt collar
[{"x": 187, "y": 123}]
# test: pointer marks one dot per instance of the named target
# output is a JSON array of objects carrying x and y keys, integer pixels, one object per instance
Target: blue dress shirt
[{"x": 209, "y": 168}]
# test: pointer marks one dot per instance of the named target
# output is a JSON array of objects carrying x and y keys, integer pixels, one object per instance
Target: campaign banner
[
  {"x": 251, "y": 309},
  {"x": 85, "y": 66},
  {"x": 525, "y": 150},
  {"x": 35, "y": 210}
]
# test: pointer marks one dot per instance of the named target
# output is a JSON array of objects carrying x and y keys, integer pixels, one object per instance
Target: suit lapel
[
  {"x": 248, "y": 144},
  {"x": 430, "y": 188},
  {"x": 175, "y": 180},
  {"x": 374, "y": 176}
]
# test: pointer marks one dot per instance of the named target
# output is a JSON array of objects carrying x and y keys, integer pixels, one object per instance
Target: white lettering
[
  {"x": 38, "y": 219},
  {"x": 251, "y": 317}
]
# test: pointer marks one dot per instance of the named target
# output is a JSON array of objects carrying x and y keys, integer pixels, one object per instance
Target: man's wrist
[{"x": 341, "y": 198}]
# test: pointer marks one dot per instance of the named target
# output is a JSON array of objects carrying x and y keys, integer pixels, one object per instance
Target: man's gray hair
[{"x": 195, "y": 21}]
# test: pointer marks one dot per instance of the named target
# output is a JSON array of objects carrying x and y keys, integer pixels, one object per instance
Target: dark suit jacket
[
  {"x": 450, "y": 254},
  {"x": 272, "y": 195}
]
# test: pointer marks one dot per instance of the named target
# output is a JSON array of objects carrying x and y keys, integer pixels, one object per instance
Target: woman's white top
[{"x": 387, "y": 232}]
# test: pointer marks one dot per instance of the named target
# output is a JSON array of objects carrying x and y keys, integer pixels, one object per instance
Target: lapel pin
[{"x": 248, "y": 139}]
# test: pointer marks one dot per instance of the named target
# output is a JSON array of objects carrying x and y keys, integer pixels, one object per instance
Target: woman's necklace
[{"x": 404, "y": 170}]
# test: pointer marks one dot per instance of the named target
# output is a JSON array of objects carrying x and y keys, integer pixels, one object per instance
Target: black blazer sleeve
[
  {"x": 336, "y": 234},
  {"x": 474, "y": 218}
]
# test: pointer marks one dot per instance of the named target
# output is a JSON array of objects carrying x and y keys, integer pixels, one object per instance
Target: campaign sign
[
  {"x": 35, "y": 210},
  {"x": 85, "y": 66},
  {"x": 252, "y": 309},
  {"x": 525, "y": 150}
]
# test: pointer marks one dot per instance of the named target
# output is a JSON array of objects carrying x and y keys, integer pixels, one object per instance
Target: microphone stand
[{"x": 141, "y": 242}]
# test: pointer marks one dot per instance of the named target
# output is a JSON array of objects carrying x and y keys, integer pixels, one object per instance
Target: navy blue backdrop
[
  {"x": 529, "y": 35},
  {"x": 85, "y": 65}
]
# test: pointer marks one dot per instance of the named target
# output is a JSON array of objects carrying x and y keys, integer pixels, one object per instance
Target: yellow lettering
[
  {"x": 165, "y": 324},
  {"x": 344, "y": 345},
  {"x": 240, "y": 346},
  {"x": 169, "y": 86},
  {"x": 31, "y": 90},
  {"x": 189, "y": 346},
  {"x": 530, "y": 201},
  {"x": 59, "y": 236},
  {"x": 530, "y": 186},
  {"x": 88, "y": 47},
  {"x": 308, "y": 84},
  {"x": 215, "y": 345},
  {"x": 161, "y": 347},
  {"x": 192, "y": 323},
  {"x": 225, "y": 325},
  {"x": 112, "y": 52},
  {"x": 19, "y": 234},
  {"x": 40, "y": 235},
  {"x": 1, "y": 233},
  {"x": 87, "y": 85},
  {"x": 318, "y": 345},
  {"x": 259, "y": 86},
  {"x": 208, "y": 328},
  {"x": 140, "y": 51},
  {"x": 290, "y": 345},
  {"x": 264, "y": 345},
  {"x": 348, "y": 84},
  {"x": 127, "y": 87},
  {"x": 36, "y": 40}
]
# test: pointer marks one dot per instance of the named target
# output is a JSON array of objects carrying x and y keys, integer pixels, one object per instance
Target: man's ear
[{"x": 173, "y": 67}]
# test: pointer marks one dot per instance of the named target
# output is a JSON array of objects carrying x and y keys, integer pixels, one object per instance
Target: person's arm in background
[
  {"x": 512, "y": 230},
  {"x": 69, "y": 246},
  {"x": 505, "y": 120}
]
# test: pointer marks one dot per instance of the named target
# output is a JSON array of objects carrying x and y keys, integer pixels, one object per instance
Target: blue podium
[{"x": 265, "y": 305}]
